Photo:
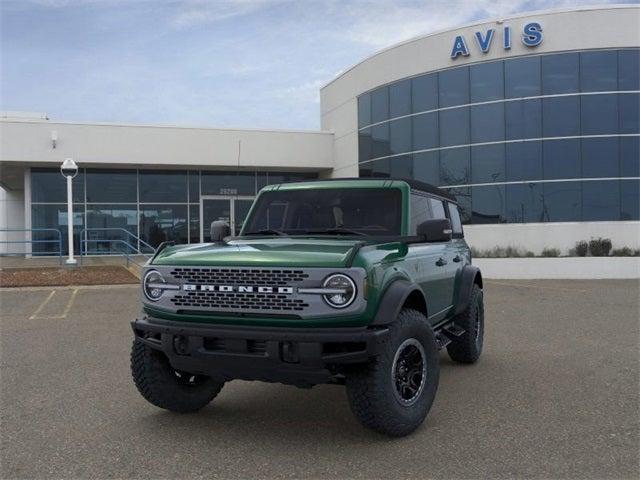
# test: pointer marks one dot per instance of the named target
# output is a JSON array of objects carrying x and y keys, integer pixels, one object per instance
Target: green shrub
[
  {"x": 582, "y": 248},
  {"x": 625, "y": 252},
  {"x": 550, "y": 252},
  {"x": 600, "y": 247}
]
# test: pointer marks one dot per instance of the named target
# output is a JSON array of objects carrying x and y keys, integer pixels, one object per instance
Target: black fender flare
[
  {"x": 470, "y": 275},
  {"x": 393, "y": 299}
]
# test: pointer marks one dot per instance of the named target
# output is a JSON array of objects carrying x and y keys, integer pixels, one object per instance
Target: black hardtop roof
[{"x": 414, "y": 184}]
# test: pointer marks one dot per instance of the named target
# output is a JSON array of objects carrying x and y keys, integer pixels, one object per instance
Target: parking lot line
[
  {"x": 65, "y": 312},
  {"x": 42, "y": 305},
  {"x": 528, "y": 285}
]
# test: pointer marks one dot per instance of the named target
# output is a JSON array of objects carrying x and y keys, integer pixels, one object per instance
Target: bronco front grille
[
  {"x": 235, "y": 276},
  {"x": 238, "y": 301}
]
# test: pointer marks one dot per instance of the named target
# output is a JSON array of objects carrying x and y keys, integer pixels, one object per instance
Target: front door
[{"x": 232, "y": 210}]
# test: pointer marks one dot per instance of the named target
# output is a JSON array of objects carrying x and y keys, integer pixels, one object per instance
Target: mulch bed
[{"x": 54, "y": 276}]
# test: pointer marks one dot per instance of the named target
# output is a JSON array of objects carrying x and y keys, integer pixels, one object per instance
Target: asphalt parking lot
[{"x": 554, "y": 395}]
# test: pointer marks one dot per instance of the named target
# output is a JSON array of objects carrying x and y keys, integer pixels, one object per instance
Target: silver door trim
[{"x": 232, "y": 209}]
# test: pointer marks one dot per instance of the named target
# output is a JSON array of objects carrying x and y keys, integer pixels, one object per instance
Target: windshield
[{"x": 334, "y": 211}]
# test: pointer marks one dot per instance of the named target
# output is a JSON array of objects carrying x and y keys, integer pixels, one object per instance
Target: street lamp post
[{"x": 69, "y": 169}]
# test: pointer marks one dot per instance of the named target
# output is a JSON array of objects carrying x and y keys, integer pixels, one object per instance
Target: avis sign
[{"x": 531, "y": 36}]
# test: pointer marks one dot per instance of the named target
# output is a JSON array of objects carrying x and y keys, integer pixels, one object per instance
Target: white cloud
[
  {"x": 199, "y": 12},
  {"x": 380, "y": 23}
]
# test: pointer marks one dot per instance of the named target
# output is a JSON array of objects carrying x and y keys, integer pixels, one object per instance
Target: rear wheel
[
  {"x": 468, "y": 347},
  {"x": 168, "y": 388},
  {"x": 393, "y": 393}
]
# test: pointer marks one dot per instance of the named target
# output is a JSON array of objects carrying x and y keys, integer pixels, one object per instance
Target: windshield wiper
[
  {"x": 267, "y": 231},
  {"x": 337, "y": 231}
]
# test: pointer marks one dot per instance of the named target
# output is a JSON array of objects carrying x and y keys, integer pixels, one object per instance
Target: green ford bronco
[{"x": 357, "y": 282}]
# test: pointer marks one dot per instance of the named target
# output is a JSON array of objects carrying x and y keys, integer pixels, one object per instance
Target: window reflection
[
  {"x": 400, "y": 98},
  {"x": 523, "y": 119},
  {"x": 524, "y": 203},
  {"x": 629, "y": 69},
  {"x": 487, "y": 164},
  {"x": 487, "y": 81},
  {"x": 426, "y": 167},
  {"x": 522, "y": 77},
  {"x": 527, "y": 120},
  {"x": 560, "y": 73},
  {"x": 600, "y": 201},
  {"x": 162, "y": 223},
  {"x": 600, "y": 157},
  {"x": 424, "y": 93},
  {"x": 109, "y": 223},
  {"x": 561, "y": 202},
  {"x": 523, "y": 161},
  {"x": 54, "y": 217},
  {"x": 163, "y": 186},
  {"x": 488, "y": 205},
  {"x": 49, "y": 186},
  {"x": 380, "y": 105},
  {"x": 194, "y": 223},
  {"x": 364, "y": 110},
  {"x": 561, "y": 116},
  {"x": 629, "y": 156},
  {"x": 454, "y": 127},
  {"x": 194, "y": 186},
  {"x": 401, "y": 167},
  {"x": 598, "y": 71},
  {"x": 561, "y": 159},
  {"x": 487, "y": 123},
  {"x": 380, "y": 140},
  {"x": 599, "y": 114},
  {"x": 629, "y": 112},
  {"x": 400, "y": 135},
  {"x": 453, "y": 87},
  {"x": 365, "y": 146},
  {"x": 112, "y": 186},
  {"x": 630, "y": 200},
  {"x": 425, "y": 131},
  {"x": 454, "y": 166}
]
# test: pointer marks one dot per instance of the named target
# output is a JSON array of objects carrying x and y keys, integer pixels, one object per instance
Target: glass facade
[
  {"x": 153, "y": 205},
  {"x": 544, "y": 138}
]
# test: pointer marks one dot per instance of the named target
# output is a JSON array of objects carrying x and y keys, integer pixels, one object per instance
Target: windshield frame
[{"x": 331, "y": 231}]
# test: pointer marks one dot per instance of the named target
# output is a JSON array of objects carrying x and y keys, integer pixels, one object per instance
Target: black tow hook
[{"x": 181, "y": 345}]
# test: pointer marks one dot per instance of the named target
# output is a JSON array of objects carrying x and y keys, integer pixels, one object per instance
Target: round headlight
[
  {"x": 150, "y": 285},
  {"x": 344, "y": 290}
]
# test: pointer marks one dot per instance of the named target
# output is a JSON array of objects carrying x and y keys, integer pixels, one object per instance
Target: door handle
[
  {"x": 441, "y": 262},
  {"x": 457, "y": 259}
]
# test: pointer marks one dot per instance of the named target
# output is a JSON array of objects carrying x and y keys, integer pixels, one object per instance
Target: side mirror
[
  {"x": 219, "y": 230},
  {"x": 436, "y": 230}
]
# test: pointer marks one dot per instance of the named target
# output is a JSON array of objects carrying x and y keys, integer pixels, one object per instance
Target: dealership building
[{"x": 531, "y": 121}]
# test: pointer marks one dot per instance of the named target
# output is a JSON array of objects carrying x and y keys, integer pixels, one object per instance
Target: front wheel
[
  {"x": 393, "y": 393},
  {"x": 165, "y": 387}
]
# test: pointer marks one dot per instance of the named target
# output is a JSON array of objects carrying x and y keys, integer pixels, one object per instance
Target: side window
[
  {"x": 456, "y": 223},
  {"x": 420, "y": 211},
  {"x": 437, "y": 208}
]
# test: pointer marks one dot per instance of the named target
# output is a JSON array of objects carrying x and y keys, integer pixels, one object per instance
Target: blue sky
[{"x": 226, "y": 63}]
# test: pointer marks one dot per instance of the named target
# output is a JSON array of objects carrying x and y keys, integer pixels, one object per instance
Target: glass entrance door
[{"x": 232, "y": 210}]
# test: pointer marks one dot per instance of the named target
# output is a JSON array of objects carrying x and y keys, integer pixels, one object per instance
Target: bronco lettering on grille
[{"x": 237, "y": 288}]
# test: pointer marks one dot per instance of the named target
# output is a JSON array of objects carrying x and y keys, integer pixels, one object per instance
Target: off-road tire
[
  {"x": 468, "y": 347},
  {"x": 158, "y": 382},
  {"x": 371, "y": 387}
]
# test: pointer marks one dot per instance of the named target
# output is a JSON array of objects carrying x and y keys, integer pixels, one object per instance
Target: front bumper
[{"x": 297, "y": 356}]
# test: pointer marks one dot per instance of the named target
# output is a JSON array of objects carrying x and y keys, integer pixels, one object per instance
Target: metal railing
[
  {"x": 132, "y": 244},
  {"x": 31, "y": 241}
]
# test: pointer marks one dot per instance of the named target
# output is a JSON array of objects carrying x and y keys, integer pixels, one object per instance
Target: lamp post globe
[{"x": 69, "y": 169}]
